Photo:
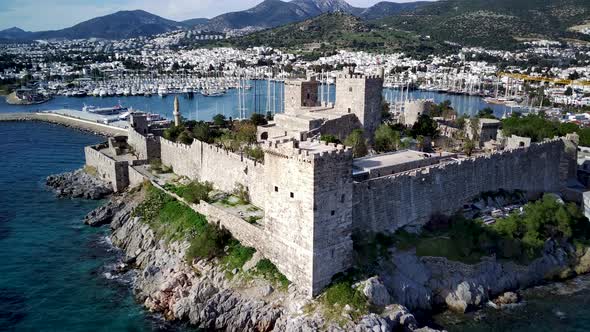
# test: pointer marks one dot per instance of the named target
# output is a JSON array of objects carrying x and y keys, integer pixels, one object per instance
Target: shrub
[
  {"x": 258, "y": 119},
  {"x": 237, "y": 255},
  {"x": 173, "y": 132},
  {"x": 356, "y": 140},
  {"x": 386, "y": 139},
  {"x": 269, "y": 271},
  {"x": 341, "y": 293},
  {"x": 185, "y": 138},
  {"x": 330, "y": 139},
  {"x": 219, "y": 120},
  {"x": 241, "y": 192},
  {"x": 255, "y": 153},
  {"x": 207, "y": 243},
  {"x": 196, "y": 191}
]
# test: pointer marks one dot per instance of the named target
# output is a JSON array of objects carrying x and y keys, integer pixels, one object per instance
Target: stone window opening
[
  {"x": 292, "y": 195},
  {"x": 350, "y": 89},
  {"x": 349, "y": 110},
  {"x": 342, "y": 198},
  {"x": 332, "y": 212},
  {"x": 276, "y": 189}
]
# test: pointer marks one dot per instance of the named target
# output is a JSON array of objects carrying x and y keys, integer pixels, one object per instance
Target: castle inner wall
[{"x": 411, "y": 198}]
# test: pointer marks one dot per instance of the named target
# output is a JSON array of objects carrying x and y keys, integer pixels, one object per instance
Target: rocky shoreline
[
  {"x": 200, "y": 292},
  {"x": 78, "y": 184},
  {"x": 208, "y": 296}
]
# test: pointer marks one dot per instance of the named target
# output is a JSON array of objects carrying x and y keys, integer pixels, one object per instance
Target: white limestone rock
[{"x": 376, "y": 292}]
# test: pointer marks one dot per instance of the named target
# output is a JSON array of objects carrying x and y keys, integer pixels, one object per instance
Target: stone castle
[{"x": 315, "y": 195}]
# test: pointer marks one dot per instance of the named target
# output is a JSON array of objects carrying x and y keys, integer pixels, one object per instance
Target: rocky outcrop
[
  {"x": 428, "y": 282},
  {"x": 201, "y": 293},
  {"x": 78, "y": 184}
]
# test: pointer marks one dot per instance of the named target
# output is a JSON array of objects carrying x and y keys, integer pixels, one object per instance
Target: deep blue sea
[{"x": 52, "y": 267}]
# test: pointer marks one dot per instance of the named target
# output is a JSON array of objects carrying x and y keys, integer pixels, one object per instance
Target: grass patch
[
  {"x": 270, "y": 272},
  {"x": 341, "y": 293},
  {"x": 91, "y": 170},
  {"x": 237, "y": 255},
  {"x": 253, "y": 219},
  {"x": 157, "y": 167},
  {"x": 233, "y": 201},
  {"x": 194, "y": 192},
  {"x": 172, "y": 220}
]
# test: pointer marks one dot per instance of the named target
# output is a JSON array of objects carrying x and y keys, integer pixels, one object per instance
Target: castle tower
[
  {"x": 309, "y": 219},
  {"x": 176, "y": 112},
  {"x": 300, "y": 94},
  {"x": 360, "y": 95}
]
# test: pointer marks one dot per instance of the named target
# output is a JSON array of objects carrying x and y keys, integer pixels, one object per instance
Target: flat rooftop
[
  {"x": 405, "y": 159},
  {"x": 315, "y": 146},
  {"x": 390, "y": 159}
]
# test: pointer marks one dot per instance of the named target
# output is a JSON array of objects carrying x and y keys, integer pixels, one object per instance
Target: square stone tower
[
  {"x": 360, "y": 95},
  {"x": 300, "y": 94},
  {"x": 308, "y": 214}
]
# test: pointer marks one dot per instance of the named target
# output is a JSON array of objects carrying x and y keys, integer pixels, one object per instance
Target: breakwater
[{"x": 84, "y": 125}]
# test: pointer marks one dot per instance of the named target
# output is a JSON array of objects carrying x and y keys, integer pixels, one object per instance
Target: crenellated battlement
[{"x": 307, "y": 151}]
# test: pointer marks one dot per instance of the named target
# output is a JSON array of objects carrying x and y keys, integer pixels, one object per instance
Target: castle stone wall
[
  {"x": 135, "y": 177},
  {"x": 341, "y": 127},
  {"x": 248, "y": 234},
  {"x": 410, "y": 199},
  {"x": 146, "y": 147},
  {"x": 333, "y": 190},
  {"x": 223, "y": 168},
  {"x": 114, "y": 172}
]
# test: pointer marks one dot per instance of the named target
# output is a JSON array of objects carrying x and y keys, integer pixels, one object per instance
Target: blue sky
[{"x": 35, "y": 15}]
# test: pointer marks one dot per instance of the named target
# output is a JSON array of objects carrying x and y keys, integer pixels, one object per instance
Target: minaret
[{"x": 176, "y": 112}]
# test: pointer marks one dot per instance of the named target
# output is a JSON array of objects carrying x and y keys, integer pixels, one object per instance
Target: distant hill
[
  {"x": 333, "y": 31},
  {"x": 122, "y": 24},
  {"x": 384, "y": 9},
  {"x": 195, "y": 21},
  {"x": 495, "y": 24},
  {"x": 14, "y": 33},
  {"x": 274, "y": 13}
]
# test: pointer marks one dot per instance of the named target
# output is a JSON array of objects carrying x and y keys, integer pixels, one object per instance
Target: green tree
[
  {"x": 469, "y": 147},
  {"x": 425, "y": 126},
  {"x": 486, "y": 113},
  {"x": 219, "y": 120},
  {"x": 356, "y": 140},
  {"x": 386, "y": 139},
  {"x": 245, "y": 133},
  {"x": 330, "y": 139},
  {"x": 474, "y": 128},
  {"x": 258, "y": 119},
  {"x": 202, "y": 132},
  {"x": 172, "y": 132},
  {"x": 569, "y": 91},
  {"x": 185, "y": 138}
]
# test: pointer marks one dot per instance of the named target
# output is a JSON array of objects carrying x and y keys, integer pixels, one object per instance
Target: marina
[{"x": 254, "y": 96}]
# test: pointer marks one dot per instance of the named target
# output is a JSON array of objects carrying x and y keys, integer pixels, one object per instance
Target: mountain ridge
[
  {"x": 118, "y": 25},
  {"x": 266, "y": 14}
]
